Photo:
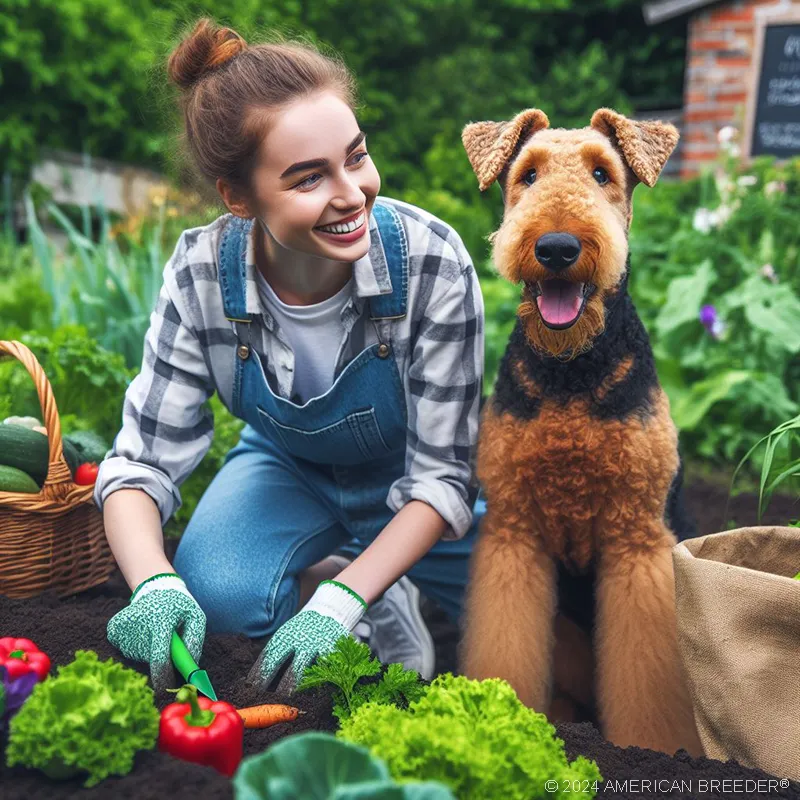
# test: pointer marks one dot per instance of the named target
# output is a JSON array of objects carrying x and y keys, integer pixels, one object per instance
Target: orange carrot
[{"x": 268, "y": 714}]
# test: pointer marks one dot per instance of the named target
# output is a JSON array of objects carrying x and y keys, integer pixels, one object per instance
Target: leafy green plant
[
  {"x": 96, "y": 285},
  {"x": 715, "y": 275},
  {"x": 782, "y": 441},
  {"x": 88, "y": 381},
  {"x": 474, "y": 736},
  {"x": 347, "y": 665},
  {"x": 318, "y": 766},
  {"x": 93, "y": 716}
]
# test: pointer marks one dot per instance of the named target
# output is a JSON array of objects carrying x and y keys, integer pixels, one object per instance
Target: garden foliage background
[{"x": 715, "y": 260}]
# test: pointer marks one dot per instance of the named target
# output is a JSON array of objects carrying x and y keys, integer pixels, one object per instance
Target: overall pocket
[{"x": 355, "y": 439}]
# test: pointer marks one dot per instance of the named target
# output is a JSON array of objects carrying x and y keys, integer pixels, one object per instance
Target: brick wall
[{"x": 718, "y": 57}]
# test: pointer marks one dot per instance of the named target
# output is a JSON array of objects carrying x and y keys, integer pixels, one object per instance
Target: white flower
[
  {"x": 717, "y": 328},
  {"x": 774, "y": 187},
  {"x": 747, "y": 180},
  {"x": 723, "y": 214},
  {"x": 704, "y": 220},
  {"x": 727, "y": 134},
  {"x": 768, "y": 271}
]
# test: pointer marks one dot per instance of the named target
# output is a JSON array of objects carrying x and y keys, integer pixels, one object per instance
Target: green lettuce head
[
  {"x": 92, "y": 717},
  {"x": 475, "y": 737}
]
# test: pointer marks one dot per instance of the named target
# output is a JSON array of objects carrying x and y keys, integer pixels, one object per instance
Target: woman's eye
[
  {"x": 529, "y": 177},
  {"x": 363, "y": 153},
  {"x": 307, "y": 184},
  {"x": 600, "y": 175}
]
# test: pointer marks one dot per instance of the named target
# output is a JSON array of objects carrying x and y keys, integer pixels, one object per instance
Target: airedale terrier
[{"x": 578, "y": 456}]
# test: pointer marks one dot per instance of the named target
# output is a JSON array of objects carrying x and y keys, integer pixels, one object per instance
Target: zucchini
[
  {"x": 71, "y": 456},
  {"x": 89, "y": 445},
  {"x": 29, "y": 451},
  {"x": 15, "y": 480},
  {"x": 25, "y": 450}
]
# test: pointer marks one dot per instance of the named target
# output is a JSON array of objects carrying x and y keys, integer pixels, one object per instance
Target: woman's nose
[{"x": 350, "y": 192}]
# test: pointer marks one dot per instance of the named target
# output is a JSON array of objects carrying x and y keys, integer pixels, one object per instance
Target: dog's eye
[
  {"x": 529, "y": 177},
  {"x": 600, "y": 175}
]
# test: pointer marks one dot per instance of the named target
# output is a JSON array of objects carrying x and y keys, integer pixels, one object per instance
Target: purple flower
[
  {"x": 711, "y": 321},
  {"x": 708, "y": 316},
  {"x": 13, "y": 693}
]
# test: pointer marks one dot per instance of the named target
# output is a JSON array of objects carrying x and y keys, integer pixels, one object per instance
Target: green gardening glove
[
  {"x": 332, "y": 612},
  {"x": 142, "y": 631}
]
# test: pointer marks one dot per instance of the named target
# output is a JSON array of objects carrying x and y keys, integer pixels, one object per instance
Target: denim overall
[{"x": 307, "y": 480}]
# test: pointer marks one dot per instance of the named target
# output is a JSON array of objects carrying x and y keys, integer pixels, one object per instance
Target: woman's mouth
[
  {"x": 560, "y": 302},
  {"x": 345, "y": 232}
]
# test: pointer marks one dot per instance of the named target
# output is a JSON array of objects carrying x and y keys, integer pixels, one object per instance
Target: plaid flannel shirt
[{"x": 189, "y": 352}]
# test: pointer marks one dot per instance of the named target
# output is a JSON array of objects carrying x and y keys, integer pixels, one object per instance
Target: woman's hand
[
  {"x": 332, "y": 612},
  {"x": 142, "y": 631}
]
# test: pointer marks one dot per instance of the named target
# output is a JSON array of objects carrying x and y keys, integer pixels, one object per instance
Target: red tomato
[{"x": 86, "y": 474}]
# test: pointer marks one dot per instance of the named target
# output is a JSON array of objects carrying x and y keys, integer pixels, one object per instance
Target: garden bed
[{"x": 60, "y": 627}]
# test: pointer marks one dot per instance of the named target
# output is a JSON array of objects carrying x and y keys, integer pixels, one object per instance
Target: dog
[{"x": 577, "y": 455}]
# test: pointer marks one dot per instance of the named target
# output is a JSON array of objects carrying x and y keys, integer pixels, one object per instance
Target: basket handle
[{"x": 47, "y": 402}]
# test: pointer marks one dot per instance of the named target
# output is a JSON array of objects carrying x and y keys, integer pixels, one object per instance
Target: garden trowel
[{"x": 186, "y": 665}]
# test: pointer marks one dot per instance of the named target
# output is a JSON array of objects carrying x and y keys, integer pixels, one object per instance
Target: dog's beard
[{"x": 563, "y": 344}]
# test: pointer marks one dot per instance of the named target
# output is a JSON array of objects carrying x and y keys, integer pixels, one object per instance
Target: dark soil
[{"x": 60, "y": 627}]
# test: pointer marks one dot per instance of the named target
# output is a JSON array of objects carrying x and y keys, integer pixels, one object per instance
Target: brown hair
[{"x": 230, "y": 91}]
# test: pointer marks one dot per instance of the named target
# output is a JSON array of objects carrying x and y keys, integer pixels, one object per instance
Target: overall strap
[
  {"x": 232, "y": 269},
  {"x": 395, "y": 247}
]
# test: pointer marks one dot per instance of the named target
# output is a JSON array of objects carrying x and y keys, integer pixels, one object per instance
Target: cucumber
[
  {"x": 25, "y": 450},
  {"x": 15, "y": 480},
  {"x": 29, "y": 451}
]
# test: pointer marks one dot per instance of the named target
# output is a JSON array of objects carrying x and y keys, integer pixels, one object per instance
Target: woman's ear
[
  {"x": 645, "y": 144},
  {"x": 234, "y": 202},
  {"x": 491, "y": 146}
]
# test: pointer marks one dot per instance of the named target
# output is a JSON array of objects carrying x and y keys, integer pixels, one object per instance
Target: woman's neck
[{"x": 299, "y": 279}]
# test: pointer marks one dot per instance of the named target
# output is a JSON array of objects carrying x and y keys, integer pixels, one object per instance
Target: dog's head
[{"x": 568, "y": 208}]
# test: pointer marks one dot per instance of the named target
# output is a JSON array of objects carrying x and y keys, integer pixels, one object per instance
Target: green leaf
[
  {"x": 318, "y": 766},
  {"x": 476, "y": 737},
  {"x": 92, "y": 717},
  {"x": 684, "y": 298},
  {"x": 350, "y": 661},
  {"x": 692, "y": 406},
  {"x": 775, "y": 310}
]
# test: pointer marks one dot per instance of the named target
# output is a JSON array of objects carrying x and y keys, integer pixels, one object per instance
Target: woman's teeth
[{"x": 348, "y": 227}]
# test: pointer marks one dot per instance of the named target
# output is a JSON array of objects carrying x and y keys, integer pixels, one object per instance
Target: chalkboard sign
[{"x": 774, "y": 118}]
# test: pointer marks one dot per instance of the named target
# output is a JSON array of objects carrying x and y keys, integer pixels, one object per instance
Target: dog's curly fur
[{"x": 578, "y": 456}]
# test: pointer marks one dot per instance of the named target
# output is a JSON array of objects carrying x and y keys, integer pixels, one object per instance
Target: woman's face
[{"x": 313, "y": 172}]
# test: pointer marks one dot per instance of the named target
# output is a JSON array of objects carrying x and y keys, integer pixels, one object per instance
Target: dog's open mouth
[{"x": 560, "y": 302}]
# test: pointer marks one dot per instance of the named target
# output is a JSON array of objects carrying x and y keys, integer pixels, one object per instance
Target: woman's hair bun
[{"x": 206, "y": 48}]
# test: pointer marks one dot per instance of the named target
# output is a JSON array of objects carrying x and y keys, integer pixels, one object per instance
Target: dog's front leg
[
  {"x": 509, "y": 611},
  {"x": 642, "y": 692}
]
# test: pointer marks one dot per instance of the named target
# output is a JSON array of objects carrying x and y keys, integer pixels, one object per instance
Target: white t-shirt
[{"x": 314, "y": 333}]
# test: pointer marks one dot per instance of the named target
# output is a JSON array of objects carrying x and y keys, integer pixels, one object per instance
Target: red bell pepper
[
  {"x": 202, "y": 731},
  {"x": 21, "y": 656}
]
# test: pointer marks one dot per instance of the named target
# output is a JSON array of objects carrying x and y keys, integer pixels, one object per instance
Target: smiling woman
[{"x": 346, "y": 329}]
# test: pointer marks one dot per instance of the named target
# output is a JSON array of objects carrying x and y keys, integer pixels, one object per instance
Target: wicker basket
[{"x": 53, "y": 539}]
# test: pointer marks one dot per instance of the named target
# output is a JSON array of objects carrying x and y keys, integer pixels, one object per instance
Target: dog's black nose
[{"x": 557, "y": 251}]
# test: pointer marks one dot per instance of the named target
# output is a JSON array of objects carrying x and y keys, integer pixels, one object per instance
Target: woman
[{"x": 345, "y": 328}]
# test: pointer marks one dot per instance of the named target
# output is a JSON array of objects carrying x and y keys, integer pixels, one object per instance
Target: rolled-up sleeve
[
  {"x": 445, "y": 381},
  {"x": 166, "y": 426}
]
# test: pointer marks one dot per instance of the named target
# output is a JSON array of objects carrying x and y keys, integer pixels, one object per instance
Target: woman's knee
[{"x": 232, "y": 606}]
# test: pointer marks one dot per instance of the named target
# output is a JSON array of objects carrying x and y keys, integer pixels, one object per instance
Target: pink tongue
[{"x": 560, "y": 301}]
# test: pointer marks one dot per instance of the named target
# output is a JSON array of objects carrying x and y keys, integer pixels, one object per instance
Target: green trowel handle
[{"x": 181, "y": 657}]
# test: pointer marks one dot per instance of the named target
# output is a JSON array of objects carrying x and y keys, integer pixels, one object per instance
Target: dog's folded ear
[
  {"x": 491, "y": 146},
  {"x": 645, "y": 144}
]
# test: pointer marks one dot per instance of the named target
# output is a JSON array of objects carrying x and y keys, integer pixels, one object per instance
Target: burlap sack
[{"x": 738, "y": 611}]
